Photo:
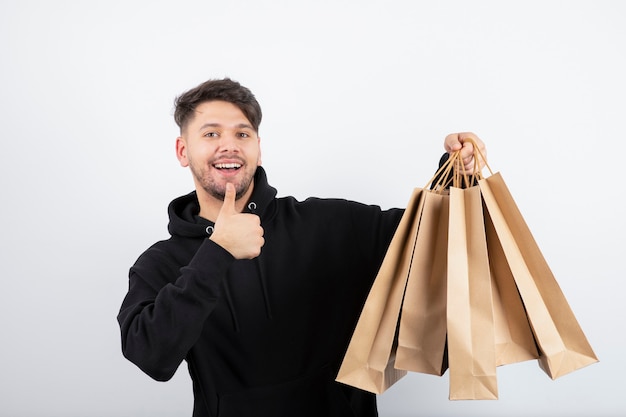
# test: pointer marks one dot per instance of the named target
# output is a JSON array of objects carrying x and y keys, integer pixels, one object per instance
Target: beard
[{"x": 216, "y": 187}]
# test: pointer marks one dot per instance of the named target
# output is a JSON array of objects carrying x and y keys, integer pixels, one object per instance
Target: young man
[{"x": 260, "y": 295}]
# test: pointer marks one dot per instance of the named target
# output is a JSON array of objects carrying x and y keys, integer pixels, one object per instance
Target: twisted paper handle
[{"x": 453, "y": 173}]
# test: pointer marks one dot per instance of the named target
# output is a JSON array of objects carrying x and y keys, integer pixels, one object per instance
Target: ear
[{"x": 181, "y": 151}]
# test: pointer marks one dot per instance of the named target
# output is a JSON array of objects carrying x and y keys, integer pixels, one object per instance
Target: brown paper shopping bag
[
  {"x": 514, "y": 340},
  {"x": 562, "y": 344},
  {"x": 470, "y": 321},
  {"x": 422, "y": 331},
  {"x": 369, "y": 360}
]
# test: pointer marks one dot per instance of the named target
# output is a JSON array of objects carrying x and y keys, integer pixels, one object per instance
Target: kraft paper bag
[
  {"x": 513, "y": 336},
  {"x": 422, "y": 331},
  {"x": 562, "y": 344},
  {"x": 470, "y": 320},
  {"x": 369, "y": 360}
]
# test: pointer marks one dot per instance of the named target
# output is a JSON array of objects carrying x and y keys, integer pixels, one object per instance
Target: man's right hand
[
  {"x": 240, "y": 234},
  {"x": 465, "y": 143}
]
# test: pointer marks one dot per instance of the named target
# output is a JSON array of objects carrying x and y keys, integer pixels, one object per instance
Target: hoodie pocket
[{"x": 312, "y": 395}]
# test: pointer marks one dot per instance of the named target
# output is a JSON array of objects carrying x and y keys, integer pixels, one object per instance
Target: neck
[{"x": 209, "y": 206}]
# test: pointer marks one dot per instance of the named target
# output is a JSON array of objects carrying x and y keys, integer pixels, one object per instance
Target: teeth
[{"x": 228, "y": 166}]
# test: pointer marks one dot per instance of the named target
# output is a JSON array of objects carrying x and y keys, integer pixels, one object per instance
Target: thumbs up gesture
[{"x": 240, "y": 234}]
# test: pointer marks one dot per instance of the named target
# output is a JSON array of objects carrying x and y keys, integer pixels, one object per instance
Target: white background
[{"x": 357, "y": 97}]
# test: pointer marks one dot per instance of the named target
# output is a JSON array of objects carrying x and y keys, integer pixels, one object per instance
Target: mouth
[{"x": 227, "y": 166}]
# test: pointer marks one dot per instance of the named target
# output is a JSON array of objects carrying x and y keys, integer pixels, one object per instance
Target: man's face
[{"x": 220, "y": 145}]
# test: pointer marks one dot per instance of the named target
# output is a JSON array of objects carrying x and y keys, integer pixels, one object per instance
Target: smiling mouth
[{"x": 231, "y": 166}]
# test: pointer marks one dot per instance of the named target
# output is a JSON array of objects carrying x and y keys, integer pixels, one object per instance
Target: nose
[{"x": 228, "y": 143}]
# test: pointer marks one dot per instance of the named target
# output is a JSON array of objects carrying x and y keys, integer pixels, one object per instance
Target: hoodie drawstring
[
  {"x": 266, "y": 298},
  {"x": 231, "y": 306},
  {"x": 252, "y": 206},
  {"x": 262, "y": 281}
]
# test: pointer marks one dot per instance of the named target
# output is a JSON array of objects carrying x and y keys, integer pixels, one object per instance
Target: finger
[
  {"x": 466, "y": 151},
  {"x": 452, "y": 143},
  {"x": 229, "y": 199},
  {"x": 477, "y": 146},
  {"x": 470, "y": 139}
]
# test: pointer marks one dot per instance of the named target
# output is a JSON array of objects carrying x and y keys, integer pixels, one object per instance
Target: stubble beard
[{"x": 218, "y": 190}]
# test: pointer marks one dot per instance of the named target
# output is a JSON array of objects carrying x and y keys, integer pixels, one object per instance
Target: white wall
[{"x": 357, "y": 97}]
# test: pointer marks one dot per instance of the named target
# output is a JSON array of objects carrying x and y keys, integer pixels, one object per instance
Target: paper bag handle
[
  {"x": 478, "y": 154},
  {"x": 442, "y": 178}
]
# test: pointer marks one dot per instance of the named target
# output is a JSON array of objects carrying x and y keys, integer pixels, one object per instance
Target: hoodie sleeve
[
  {"x": 374, "y": 228},
  {"x": 160, "y": 320}
]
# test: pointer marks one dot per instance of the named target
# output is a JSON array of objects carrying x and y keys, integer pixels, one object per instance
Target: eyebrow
[{"x": 238, "y": 126}]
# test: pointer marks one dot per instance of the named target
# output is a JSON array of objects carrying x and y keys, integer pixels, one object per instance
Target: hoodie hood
[{"x": 183, "y": 211}]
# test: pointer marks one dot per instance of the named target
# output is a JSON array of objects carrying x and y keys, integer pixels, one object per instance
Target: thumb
[
  {"x": 453, "y": 143},
  {"x": 229, "y": 199}
]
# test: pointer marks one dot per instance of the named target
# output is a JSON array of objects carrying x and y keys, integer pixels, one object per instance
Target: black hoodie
[{"x": 261, "y": 337}]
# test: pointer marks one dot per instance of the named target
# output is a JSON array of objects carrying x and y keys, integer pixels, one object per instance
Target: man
[{"x": 260, "y": 295}]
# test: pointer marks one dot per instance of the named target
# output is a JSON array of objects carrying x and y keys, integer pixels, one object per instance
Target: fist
[{"x": 473, "y": 159}]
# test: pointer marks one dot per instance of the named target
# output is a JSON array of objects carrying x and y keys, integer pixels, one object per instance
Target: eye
[
  {"x": 210, "y": 135},
  {"x": 243, "y": 135}
]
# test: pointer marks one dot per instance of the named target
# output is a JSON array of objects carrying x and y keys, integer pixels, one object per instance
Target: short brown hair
[{"x": 220, "y": 89}]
